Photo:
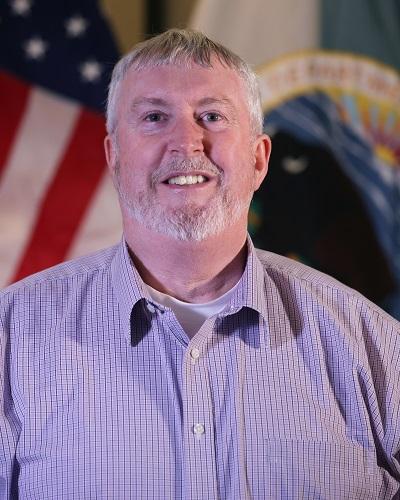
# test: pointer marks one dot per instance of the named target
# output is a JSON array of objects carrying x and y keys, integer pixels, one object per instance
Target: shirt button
[
  {"x": 195, "y": 353},
  {"x": 150, "y": 307},
  {"x": 198, "y": 429}
]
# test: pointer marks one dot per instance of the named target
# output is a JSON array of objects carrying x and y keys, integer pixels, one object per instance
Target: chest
[{"x": 222, "y": 417}]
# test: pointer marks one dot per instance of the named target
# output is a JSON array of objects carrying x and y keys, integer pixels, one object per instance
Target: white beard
[{"x": 189, "y": 222}]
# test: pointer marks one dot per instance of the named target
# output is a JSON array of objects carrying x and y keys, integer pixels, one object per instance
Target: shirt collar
[
  {"x": 250, "y": 290},
  {"x": 256, "y": 290},
  {"x": 127, "y": 284}
]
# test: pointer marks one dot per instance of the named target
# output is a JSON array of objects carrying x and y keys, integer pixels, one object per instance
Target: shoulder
[
  {"x": 313, "y": 290},
  {"x": 275, "y": 263},
  {"x": 326, "y": 317},
  {"x": 62, "y": 276}
]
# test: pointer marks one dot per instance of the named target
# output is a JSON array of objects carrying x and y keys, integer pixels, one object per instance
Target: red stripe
[
  {"x": 13, "y": 99},
  {"x": 67, "y": 198}
]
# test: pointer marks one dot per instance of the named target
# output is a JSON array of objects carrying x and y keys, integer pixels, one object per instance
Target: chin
[{"x": 191, "y": 223}]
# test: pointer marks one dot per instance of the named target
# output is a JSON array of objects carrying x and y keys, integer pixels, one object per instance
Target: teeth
[{"x": 181, "y": 180}]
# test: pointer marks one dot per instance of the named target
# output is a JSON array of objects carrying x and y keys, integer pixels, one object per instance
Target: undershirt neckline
[{"x": 190, "y": 315}]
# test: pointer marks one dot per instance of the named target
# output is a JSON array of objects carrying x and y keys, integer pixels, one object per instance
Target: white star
[
  {"x": 90, "y": 71},
  {"x": 21, "y": 7},
  {"x": 35, "y": 48},
  {"x": 76, "y": 26}
]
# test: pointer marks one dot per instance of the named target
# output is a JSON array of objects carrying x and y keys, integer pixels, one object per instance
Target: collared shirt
[{"x": 291, "y": 392}]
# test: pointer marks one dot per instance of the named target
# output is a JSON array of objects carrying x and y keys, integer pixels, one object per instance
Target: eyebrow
[
  {"x": 154, "y": 101},
  {"x": 215, "y": 100}
]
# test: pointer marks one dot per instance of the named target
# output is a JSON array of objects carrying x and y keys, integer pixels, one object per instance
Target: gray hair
[{"x": 183, "y": 47}]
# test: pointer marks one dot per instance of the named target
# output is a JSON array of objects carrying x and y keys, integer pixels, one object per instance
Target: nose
[{"x": 186, "y": 138}]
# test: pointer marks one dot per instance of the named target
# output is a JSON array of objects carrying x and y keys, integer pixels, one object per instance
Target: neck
[{"x": 191, "y": 271}]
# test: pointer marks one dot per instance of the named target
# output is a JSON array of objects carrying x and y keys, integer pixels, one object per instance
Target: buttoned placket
[{"x": 198, "y": 421}]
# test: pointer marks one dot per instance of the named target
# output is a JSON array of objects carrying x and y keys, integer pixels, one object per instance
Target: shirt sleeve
[
  {"x": 8, "y": 422},
  {"x": 380, "y": 377}
]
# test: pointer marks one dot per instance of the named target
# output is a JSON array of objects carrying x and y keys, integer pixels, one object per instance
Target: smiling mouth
[{"x": 183, "y": 180}]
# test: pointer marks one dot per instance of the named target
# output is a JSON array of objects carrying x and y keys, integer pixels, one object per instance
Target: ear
[
  {"x": 261, "y": 156},
  {"x": 110, "y": 149}
]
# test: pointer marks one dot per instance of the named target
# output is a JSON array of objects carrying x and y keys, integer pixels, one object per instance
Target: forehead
[{"x": 174, "y": 83}]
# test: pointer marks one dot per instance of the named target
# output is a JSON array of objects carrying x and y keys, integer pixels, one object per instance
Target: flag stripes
[
  {"x": 39, "y": 144},
  {"x": 67, "y": 197},
  {"x": 101, "y": 225},
  {"x": 56, "y": 198},
  {"x": 12, "y": 110}
]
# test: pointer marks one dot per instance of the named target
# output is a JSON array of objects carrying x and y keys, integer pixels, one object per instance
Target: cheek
[
  {"x": 140, "y": 159},
  {"x": 238, "y": 164},
  {"x": 130, "y": 180},
  {"x": 232, "y": 148}
]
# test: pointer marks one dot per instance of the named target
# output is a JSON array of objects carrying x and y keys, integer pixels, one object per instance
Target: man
[{"x": 183, "y": 363}]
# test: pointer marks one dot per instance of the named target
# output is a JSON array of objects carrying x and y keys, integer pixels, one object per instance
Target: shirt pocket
[{"x": 295, "y": 469}]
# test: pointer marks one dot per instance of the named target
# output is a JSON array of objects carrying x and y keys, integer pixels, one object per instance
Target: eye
[
  {"x": 153, "y": 117},
  {"x": 211, "y": 116}
]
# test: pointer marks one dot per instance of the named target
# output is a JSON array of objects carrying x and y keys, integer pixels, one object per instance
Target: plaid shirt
[{"x": 291, "y": 392}]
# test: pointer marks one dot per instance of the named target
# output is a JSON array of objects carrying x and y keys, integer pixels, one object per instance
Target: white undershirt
[{"x": 192, "y": 316}]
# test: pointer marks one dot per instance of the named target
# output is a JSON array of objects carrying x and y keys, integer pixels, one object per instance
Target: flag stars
[
  {"x": 90, "y": 71},
  {"x": 76, "y": 26},
  {"x": 21, "y": 7},
  {"x": 35, "y": 48}
]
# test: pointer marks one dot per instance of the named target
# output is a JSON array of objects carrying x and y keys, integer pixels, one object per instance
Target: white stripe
[
  {"x": 101, "y": 226},
  {"x": 39, "y": 146}
]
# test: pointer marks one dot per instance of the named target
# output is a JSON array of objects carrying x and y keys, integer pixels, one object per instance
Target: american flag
[{"x": 56, "y": 200}]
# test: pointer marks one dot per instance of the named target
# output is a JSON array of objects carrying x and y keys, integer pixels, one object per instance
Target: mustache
[{"x": 185, "y": 166}]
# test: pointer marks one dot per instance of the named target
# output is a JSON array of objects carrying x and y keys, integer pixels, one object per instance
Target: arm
[
  {"x": 380, "y": 376},
  {"x": 9, "y": 428}
]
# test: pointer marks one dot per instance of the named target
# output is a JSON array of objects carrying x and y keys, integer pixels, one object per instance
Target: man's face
[{"x": 184, "y": 159}]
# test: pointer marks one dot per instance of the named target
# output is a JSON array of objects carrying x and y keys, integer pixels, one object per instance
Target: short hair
[{"x": 183, "y": 47}]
